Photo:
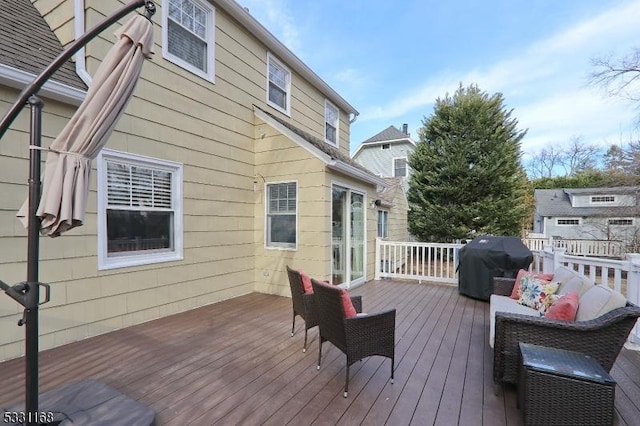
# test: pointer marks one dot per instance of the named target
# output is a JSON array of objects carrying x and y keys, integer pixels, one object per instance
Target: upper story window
[
  {"x": 385, "y": 146},
  {"x": 279, "y": 85},
  {"x": 568, "y": 222},
  {"x": 188, "y": 35},
  {"x": 331, "y": 120},
  {"x": 383, "y": 223},
  {"x": 620, "y": 222},
  {"x": 139, "y": 210},
  {"x": 281, "y": 215},
  {"x": 603, "y": 199},
  {"x": 400, "y": 167}
]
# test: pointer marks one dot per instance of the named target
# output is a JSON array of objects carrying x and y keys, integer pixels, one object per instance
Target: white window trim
[
  {"x": 633, "y": 222},
  {"x": 591, "y": 201},
  {"x": 328, "y": 104},
  {"x": 286, "y": 110},
  {"x": 105, "y": 262},
  {"x": 210, "y": 74},
  {"x": 568, "y": 224},
  {"x": 385, "y": 230},
  {"x": 283, "y": 247},
  {"x": 406, "y": 168}
]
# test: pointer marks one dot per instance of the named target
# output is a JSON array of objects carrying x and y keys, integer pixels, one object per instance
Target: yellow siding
[{"x": 209, "y": 128}]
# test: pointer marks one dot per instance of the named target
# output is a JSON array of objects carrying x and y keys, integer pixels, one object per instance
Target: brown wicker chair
[
  {"x": 304, "y": 305},
  {"x": 358, "y": 337},
  {"x": 602, "y": 337}
]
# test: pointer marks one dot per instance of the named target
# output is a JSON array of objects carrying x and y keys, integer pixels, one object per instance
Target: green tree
[{"x": 467, "y": 178}]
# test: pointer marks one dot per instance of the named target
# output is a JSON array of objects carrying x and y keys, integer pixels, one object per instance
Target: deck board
[{"x": 234, "y": 362}]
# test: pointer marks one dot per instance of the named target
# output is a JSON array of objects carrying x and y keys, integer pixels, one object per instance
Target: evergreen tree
[{"x": 466, "y": 176}]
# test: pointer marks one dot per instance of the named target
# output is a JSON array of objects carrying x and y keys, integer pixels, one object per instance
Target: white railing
[
  {"x": 596, "y": 248},
  {"x": 438, "y": 262},
  {"x": 417, "y": 261},
  {"x": 620, "y": 275}
]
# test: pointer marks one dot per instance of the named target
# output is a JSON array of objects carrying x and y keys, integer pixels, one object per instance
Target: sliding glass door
[{"x": 347, "y": 236}]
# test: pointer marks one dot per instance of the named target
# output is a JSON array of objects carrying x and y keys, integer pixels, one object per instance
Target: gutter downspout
[{"x": 79, "y": 29}]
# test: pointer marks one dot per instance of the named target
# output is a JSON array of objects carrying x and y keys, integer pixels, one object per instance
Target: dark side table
[{"x": 564, "y": 387}]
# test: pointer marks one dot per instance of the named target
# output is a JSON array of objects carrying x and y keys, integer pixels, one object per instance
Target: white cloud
[
  {"x": 275, "y": 15},
  {"x": 545, "y": 83}
]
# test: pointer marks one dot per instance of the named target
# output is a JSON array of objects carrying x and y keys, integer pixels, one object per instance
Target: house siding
[
  {"x": 380, "y": 161},
  {"x": 209, "y": 128}
]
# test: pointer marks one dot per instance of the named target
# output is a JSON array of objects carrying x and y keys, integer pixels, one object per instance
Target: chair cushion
[
  {"x": 515, "y": 293},
  {"x": 536, "y": 293},
  {"x": 347, "y": 306},
  {"x": 505, "y": 304},
  {"x": 578, "y": 283},
  {"x": 306, "y": 282},
  {"x": 565, "y": 308},
  {"x": 599, "y": 300}
]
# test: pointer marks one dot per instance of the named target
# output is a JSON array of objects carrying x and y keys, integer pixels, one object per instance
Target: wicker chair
[
  {"x": 602, "y": 337},
  {"x": 357, "y": 337},
  {"x": 304, "y": 304}
]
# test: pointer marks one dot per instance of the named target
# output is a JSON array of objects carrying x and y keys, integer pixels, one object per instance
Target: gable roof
[
  {"x": 28, "y": 46},
  {"x": 330, "y": 155},
  {"x": 389, "y": 135},
  {"x": 556, "y": 202}
]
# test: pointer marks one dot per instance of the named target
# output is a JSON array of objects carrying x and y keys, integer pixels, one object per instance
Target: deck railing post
[
  {"x": 633, "y": 290},
  {"x": 547, "y": 253},
  {"x": 378, "y": 264}
]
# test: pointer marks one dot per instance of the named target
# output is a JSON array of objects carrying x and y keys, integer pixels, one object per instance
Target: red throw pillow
[
  {"x": 347, "y": 305},
  {"x": 306, "y": 282},
  {"x": 564, "y": 308},
  {"x": 515, "y": 293}
]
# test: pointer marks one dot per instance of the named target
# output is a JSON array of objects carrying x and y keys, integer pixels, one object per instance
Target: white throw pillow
[{"x": 597, "y": 301}]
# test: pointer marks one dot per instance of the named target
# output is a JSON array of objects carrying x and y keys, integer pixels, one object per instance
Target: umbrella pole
[{"x": 32, "y": 293}]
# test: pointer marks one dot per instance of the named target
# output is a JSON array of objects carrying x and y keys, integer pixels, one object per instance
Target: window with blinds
[
  {"x": 400, "y": 167},
  {"x": 281, "y": 215},
  {"x": 139, "y": 210},
  {"x": 188, "y": 35},
  {"x": 278, "y": 92}
]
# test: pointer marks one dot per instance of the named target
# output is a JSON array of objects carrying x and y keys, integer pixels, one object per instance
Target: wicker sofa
[{"x": 600, "y": 332}]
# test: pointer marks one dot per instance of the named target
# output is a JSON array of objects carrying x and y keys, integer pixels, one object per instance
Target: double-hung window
[
  {"x": 139, "y": 210},
  {"x": 281, "y": 215},
  {"x": 400, "y": 167},
  {"x": 331, "y": 120},
  {"x": 383, "y": 223},
  {"x": 278, "y": 85},
  {"x": 188, "y": 35}
]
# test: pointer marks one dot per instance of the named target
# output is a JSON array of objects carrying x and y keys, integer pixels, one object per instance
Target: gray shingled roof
[
  {"x": 388, "y": 194},
  {"x": 388, "y": 134},
  {"x": 28, "y": 44},
  {"x": 334, "y": 153},
  {"x": 555, "y": 202}
]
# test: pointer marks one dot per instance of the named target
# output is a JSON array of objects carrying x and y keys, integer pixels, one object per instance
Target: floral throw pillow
[{"x": 537, "y": 293}]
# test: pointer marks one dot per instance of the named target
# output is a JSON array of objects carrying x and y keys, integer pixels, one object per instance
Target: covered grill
[{"x": 487, "y": 257}]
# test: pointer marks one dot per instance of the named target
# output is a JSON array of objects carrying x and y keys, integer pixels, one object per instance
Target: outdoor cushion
[
  {"x": 599, "y": 300},
  {"x": 564, "y": 274},
  {"x": 306, "y": 282},
  {"x": 505, "y": 304},
  {"x": 564, "y": 308},
  {"x": 536, "y": 293},
  {"x": 347, "y": 306},
  {"x": 578, "y": 283},
  {"x": 515, "y": 294}
]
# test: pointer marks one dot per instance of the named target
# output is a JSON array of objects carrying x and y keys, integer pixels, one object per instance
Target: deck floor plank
[{"x": 235, "y": 362}]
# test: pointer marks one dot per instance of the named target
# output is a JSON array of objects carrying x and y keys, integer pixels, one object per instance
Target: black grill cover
[{"x": 488, "y": 257}]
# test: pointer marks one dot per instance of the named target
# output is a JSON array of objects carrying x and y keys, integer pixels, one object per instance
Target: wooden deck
[{"x": 234, "y": 362}]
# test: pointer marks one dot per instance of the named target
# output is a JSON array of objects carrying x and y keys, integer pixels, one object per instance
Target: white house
[{"x": 588, "y": 213}]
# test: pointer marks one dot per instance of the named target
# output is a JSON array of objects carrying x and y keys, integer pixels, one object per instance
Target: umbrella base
[{"x": 88, "y": 402}]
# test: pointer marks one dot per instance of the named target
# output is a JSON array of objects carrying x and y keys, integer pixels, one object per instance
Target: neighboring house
[
  {"x": 241, "y": 149},
  {"x": 588, "y": 213},
  {"x": 387, "y": 153},
  {"x": 392, "y": 209}
]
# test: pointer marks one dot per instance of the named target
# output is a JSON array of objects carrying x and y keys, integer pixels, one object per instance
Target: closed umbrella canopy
[{"x": 68, "y": 166}]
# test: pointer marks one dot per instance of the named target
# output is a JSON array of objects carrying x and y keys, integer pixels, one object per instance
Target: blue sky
[{"x": 391, "y": 60}]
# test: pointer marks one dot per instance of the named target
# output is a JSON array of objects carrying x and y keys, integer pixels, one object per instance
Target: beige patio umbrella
[{"x": 68, "y": 166}]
